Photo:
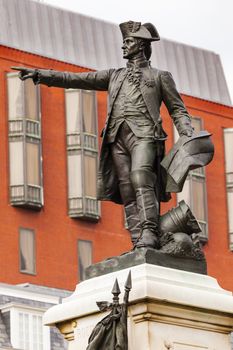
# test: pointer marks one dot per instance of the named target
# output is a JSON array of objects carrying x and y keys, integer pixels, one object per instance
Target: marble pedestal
[{"x": 169, "y": 309}]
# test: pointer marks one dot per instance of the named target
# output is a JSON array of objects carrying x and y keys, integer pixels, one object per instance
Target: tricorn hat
[
  {"x": 187, "y": 154},
  {"x": 145, "y": 31}
]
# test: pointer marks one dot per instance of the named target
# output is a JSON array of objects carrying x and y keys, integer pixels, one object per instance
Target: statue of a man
[{"x": 133, "y": 137}]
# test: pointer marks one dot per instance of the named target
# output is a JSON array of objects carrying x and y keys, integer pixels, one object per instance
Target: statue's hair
[{"x": 147, "y": 47}]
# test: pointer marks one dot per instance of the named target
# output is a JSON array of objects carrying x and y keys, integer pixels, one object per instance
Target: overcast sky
[{"x": 203, "y": 23}]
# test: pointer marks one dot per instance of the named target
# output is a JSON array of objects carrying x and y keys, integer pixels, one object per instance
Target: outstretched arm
[{"x": 88, "y": 81}]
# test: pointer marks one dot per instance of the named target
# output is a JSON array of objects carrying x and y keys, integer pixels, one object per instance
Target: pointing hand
[{"x": 25, "y": 73}]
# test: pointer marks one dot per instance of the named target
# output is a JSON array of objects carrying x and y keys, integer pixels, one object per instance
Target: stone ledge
[
  {"x": 145, "y": 256},
  {"x": 150, "y": 282}
]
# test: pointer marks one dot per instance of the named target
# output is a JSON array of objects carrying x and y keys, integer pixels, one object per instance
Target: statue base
[
  {"x": 168, "y": 309},
  {"x": 146, "y": 256}
]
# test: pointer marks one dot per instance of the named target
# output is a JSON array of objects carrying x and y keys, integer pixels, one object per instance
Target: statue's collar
[{"x": 138, "y": 64}]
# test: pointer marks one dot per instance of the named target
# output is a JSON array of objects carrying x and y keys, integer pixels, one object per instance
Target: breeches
[{"x": 131, "y": 153}]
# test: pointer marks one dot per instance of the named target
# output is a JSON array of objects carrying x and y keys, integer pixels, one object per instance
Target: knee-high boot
[
  {"x": 143, "y": 182},
  {"x": 133, "y": 222},
  {"x": 131, "y": 212}
]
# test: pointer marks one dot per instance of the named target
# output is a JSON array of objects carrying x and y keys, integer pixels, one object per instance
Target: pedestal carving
[{"x": 67, "y": 328}]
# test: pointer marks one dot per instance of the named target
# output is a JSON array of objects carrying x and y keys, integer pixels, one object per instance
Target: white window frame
[
  {"x": 23, "y": 131},
  {"x": 229, "y": 187},
  {"x": 34, "y": 251},
  {"x": 81, "y": 274},
  {"x": 79, "y": 144},
  {"x": 15, "y": 311},
  {"x": 196, "y": 174}
]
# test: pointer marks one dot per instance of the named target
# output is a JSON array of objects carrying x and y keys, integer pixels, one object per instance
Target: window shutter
[
  {"x": 82, "y": 154},
  {"x": 194, "y": 190},
  {"x": 25, "y": 160},
  {"x": 228, "y": 143}
]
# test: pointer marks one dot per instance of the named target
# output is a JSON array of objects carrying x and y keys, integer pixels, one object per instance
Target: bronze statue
[{"x": 133, "y": 137}]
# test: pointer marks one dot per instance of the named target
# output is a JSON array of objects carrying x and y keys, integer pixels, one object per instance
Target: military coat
[{"x": 156, "y": 86}]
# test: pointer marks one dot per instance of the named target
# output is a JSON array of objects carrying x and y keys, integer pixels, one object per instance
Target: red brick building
[{"x": 51, "y": 224}]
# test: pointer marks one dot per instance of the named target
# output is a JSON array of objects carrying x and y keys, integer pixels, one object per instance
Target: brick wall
[{"x": 56, "y": 232}]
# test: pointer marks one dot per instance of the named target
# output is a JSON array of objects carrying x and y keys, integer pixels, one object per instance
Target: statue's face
[{"x": 131, "y": 47}]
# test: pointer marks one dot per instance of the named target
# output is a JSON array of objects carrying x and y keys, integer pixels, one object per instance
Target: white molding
[
  {"x": 226, "y": 130},
  {"x": 17, "y": 292},
  {"x": 30, "y": 309}
]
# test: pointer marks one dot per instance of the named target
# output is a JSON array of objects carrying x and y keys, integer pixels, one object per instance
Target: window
[
  {"x": 27, "y": 251},
  {"x": 228, "y": 141},
  {"x": 26, "y": 328},
  {"x": 194, "y": 191},
  {"x": 82, "y": 153},
  {"x": 24, "y": 143},
  {"x": 84, "y": 257}
]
